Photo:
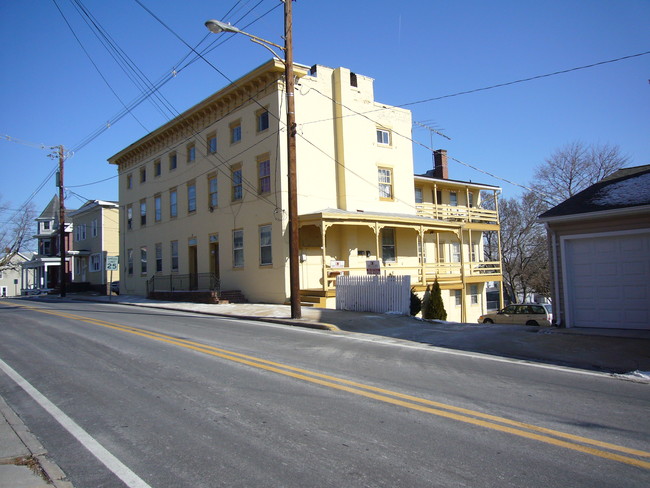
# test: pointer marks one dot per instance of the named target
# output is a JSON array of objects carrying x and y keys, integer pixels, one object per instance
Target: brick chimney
[{"x": 440, "y": 167}]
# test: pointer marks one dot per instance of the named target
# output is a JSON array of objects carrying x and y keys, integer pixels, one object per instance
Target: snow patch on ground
[
  {"x": 640, "y": 374},
  {"x": 633, "y": 191}
]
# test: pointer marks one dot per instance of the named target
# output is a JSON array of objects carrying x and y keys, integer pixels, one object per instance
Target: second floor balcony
[{"x": 456, "y": 213}]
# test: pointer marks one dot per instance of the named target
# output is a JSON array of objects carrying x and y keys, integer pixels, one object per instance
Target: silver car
[{"x": 522, "y": 314}]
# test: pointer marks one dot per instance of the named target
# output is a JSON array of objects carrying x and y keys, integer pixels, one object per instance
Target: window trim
[
  {"x": 261, "y": 179},
  {"x": 157, "y": 168},
  {"x": 384, "y": 141},
  {"x": 385, "y": 244},
  {"x": 210, "y": 149},
  {"x": 213, "y": 193},
  {"x": 157, "y": 207},
  {"x": 173, "y": 256},
  {"x": 159, "y": 257},
  {"x": 237, "y": 179},
  {"x": 235, "y": 130},
  {"x": 173, "y": 161},
  {"x": 190, "y": 153},
  {"x": 173, "y": 203},
  {"x": 191, "y": 197},
  {"x": 262, "y": 120}
]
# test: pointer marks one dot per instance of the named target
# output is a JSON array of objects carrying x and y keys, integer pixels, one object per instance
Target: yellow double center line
[{"x": 585, "y": 445}]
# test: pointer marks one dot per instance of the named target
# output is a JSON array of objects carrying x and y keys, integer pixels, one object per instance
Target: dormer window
[{"x": 46, "y": 225}]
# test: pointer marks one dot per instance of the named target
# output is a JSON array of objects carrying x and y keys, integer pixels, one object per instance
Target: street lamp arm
[
  {"x": 216, "y": 27},
  {"x": 267, "y": 47}
]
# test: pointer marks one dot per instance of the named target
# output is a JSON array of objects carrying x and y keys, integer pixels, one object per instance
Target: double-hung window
[
  {"x": 213, "y": 196},
  {"x": 94, "y": 228},
  {"x": 143, "y": 212},
  {"x": 143, "y": 260},
  {"x": 129, "y": 217},
  {"x": 129, "y": 261},
  {"x": 266, "y": 254},
  {"x": 388, "y": 244},
  {"x": 159, "y": 258},
  {"x": 238, "y": 248},
  {"x": 191, "y": 153},
  {"x": 418, "y": 195},
  {"x": 237, "y": 188},
  {"x": 174, "y": 255},
  {"x": 262, "y": 120},
  {"x": 264, "y": 174},
  {"x": 473, "y": 294},
  {"x": 235, "y": 132},
  {"x": 173, "y": 203},
  {"x": 157, "y": 168},
  {"x": 212, "y": 143},
  {"x": 95, "y": 262},
  {"x": 191, "y": 197},
  {"x": 385, "y": 176},
  {"x": 157, "y": 208},
  {"x": 173, "y": 161}
]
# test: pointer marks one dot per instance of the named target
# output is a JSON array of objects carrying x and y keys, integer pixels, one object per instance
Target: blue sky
[{"x": 417, "y": 50}]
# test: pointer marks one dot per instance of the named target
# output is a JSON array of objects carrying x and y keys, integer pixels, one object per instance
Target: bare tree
[
  {"x": 14, "y": 233},
  {"x": 573, "y": 167},
  {"x": 523, "y": 246}
]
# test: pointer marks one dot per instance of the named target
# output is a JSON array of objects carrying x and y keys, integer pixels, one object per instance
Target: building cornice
[{"x": 203, "y": 113}]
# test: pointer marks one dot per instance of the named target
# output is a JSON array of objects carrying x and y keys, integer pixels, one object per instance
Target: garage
[{"x": 607, "y": 280}]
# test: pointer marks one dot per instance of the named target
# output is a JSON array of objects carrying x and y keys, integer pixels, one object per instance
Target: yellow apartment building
[{"x": 203, "y": 199}]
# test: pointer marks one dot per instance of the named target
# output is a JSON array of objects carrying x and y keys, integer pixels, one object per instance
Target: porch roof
[{"x": 361, "y": 216}]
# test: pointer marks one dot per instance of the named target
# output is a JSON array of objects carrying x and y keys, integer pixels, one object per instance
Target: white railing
[
  {"x": 456, "y": 213},
  {"x": 379, "y": 294}
]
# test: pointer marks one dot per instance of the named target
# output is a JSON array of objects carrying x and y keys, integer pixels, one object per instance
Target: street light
[{"x": 216, "y": 27}]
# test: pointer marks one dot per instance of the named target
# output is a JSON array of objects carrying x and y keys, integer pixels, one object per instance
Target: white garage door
[{"x": 607, "y": 281}]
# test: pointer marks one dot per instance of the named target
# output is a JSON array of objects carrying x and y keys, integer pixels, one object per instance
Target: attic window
[{"x": 353, "y": 79}]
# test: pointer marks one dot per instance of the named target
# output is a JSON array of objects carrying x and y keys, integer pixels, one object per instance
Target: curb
[
  {"x": 55, "y": 475},
  {"x": 274, "y": 320}
]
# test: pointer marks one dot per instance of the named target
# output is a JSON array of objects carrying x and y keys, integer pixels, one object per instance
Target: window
[
  {"x": 46, "y": 225},
  {"x": 174, "y": 255},
  {"x": 237, "y": 189},
  {"x": 173, "y": 161},
  {"x": 212, "y": 143},
  {"x": 173, "y": 203},
  {"x": 264, "y": 174},
  {"x": 213, "y": 196},
  {"x": 470, "y": 199},
  {"x": 353, "y": 79},
  {"x": 129, "y": 182},
  {"x": 235, "y": 132},
  {"x": 143, "y": 260},
  {"x": 143, "y": 175},
  {"x": 95, "y": 262},
  {"x": 238, "y": 248},
  {"x": 159, "y": 258},
  {"x": 129, "y": 217},
  {"x": 94, "y": 228},
  {"x": 80, "y": 232},
  {"x": 388, "y": 244},
  {"x": 418, "y": 195},
  {"x": 383, "y": 137},
  {"x": 438, "y": 197},
  {"x": 191, "y": 153},
  {"x": 266, "y": 254},
  {"x": 473, "y": 294},
  {"x": 191, "y": 197},
  {"x": 453, "y": 198},
  {"x": 143, "y": 212},
  {"x": 455, "y": 252},
  {"x": 385, "y": 183},
  {"x": 157, "y": 169},
  {"x": 157, "y": 208},
  {"x": 129, "y": 261},
  {"x": 458, "y": 295},
  {"x": 262, "y": 120}
]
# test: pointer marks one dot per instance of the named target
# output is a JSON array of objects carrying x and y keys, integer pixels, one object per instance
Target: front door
[{"x": 193, "y": 268}]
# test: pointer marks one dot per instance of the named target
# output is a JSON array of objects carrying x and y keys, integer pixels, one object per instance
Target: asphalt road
[{"x": 168, "y": 399}]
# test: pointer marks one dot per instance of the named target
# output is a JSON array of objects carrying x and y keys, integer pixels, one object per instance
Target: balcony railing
[
  {"x": 455, "y": 213},
  {"x": 443, "y": 271}
]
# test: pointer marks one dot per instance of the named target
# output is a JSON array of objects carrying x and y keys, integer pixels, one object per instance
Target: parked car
[
  {"x": 522, "y": 313},
  {"x": 115, "y": 287}
]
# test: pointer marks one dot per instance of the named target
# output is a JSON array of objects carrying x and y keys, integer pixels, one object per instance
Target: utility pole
[
  {"x": 294, "y": 271},
  {"x": 62, "y": 249}
]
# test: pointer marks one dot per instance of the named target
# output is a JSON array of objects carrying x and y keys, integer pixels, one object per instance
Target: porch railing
[
  {"x": 184, "y": 282},
  {"x": 457, "y": 213},
  {"x": 444, "y": 271}
]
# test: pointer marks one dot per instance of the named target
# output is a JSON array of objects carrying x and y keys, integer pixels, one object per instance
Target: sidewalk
[{"x": 23, "y": 461}]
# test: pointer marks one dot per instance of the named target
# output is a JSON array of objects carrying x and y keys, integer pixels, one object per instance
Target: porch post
[
  {"x": 423, "y": 266},
  {"x": 323, "y": 229},
  {"x": 463, "y": 312}
]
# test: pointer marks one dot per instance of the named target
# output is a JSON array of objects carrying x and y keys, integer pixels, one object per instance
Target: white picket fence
[{"x": 378, "y": 294}]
